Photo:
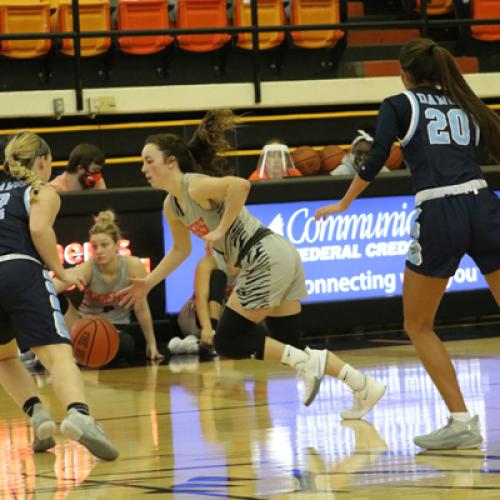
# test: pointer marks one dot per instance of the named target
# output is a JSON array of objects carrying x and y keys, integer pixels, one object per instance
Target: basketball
[
  {"x": 95, "y": 341},
  {"x": 395, "y": 158},
  {"x": 307, "y": 160},
  {"x": 331, "y": 157}
]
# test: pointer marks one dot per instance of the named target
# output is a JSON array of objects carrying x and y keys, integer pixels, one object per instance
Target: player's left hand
[
  {"x": 211, "y": 239},
  {"x": 152, "y": 352},
  {"x": 324, "y": 212},
  {"x": 133, "y": 294}
]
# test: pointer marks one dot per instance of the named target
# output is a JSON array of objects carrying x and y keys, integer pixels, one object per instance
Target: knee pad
[
  {"x": 285, "y": 329},
  {"x": 63, "y": 302},
  {"x": 217, "y": 287},
  {"x": 233, "y": 338}
]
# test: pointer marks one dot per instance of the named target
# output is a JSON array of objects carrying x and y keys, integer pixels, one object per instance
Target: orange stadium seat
[
  {"x": 143, "y": 14},
  {"x": 315, "y": 12},
  {"x": 485, "y": 9},
  {"x": 94, "y": 16},
  {"x": 391, "y": 67},
  {"x": 270, "y": 13},
  {"x": 24, "y": 16},
  {"x": 436, "y": 7},
  {"x": 202, "y": 14}
]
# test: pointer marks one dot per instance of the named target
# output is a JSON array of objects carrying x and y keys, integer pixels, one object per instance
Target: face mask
[
  {"x": 88, "y": 180},
  {"x": 360, "y": 158}
]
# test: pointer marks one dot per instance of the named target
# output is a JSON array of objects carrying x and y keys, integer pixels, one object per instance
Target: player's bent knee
[
  {"x": 53, "y": 353},
  {"x": 233, "y": 340},
  {"x": 417, "y": 329},
  {"x": 240, "y": 346}
]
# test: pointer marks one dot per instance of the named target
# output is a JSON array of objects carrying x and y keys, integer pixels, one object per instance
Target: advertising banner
[{"x": 359, "y": 254}]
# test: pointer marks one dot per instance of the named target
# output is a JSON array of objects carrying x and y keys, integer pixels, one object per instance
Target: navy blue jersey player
[
  {"x": 30, "y": 315},
  {"x": 439, "y": 122}
]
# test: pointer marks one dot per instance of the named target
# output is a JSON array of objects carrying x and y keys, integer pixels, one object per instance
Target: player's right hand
[
  {"x": 207, "y": 336},
  {"x": 73, "y": 277}
]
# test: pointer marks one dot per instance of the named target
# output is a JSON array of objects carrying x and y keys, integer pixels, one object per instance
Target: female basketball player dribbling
[
  {"x": 438, "y": 120},
  {"x": 270, "y": 282},
  {"x": 30, "y": 316}
]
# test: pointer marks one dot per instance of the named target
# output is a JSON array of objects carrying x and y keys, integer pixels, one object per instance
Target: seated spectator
[
  {"x": 84, "y": 171},
  {"x": 104, "y": 274},
  {"x": 353, "y": 160},
  {"x": 198, "y": 318},
  {"x": 275, "y": 162}
]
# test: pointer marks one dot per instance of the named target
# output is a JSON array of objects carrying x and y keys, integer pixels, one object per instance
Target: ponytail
[
  {"x": 209, "y": 140},
  {"x": 17, "y": 170},
  {"x": 428, "y": 62},
  {"x": 20, "y": 155},
  {"x": 200, "y": 154}
]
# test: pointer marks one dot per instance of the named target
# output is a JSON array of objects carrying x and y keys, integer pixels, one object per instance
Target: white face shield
[{"x": 274, "y": 161}]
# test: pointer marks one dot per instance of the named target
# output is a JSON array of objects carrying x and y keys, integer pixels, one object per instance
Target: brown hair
[
  {"x": 200, "y": 154},
  {"x": 20, "y": 155},
  {"x": 104, "y": 222},
  {"x": 428, "y": 62},
  {"x": 84, "y": 155}
]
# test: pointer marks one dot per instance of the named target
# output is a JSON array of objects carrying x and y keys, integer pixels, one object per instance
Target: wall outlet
[
  {"x": 102, "y": 104},
  {"x": 58, "y": 104}
]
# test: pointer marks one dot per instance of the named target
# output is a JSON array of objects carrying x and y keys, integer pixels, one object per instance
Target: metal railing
[{"x": 423, "y": 24}]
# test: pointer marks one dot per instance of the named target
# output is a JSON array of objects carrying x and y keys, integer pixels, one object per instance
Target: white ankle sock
[
  {"x": 462, "y": 416},
  {"x": 292, "y": 356},
  {"x": 352, "y": 377}
]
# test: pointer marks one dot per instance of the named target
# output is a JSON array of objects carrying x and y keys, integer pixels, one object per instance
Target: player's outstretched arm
[{"x": 358, "y": 185}]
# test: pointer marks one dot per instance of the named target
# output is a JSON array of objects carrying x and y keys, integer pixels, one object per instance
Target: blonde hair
[
  {"x": 20, "y": 155},
  {"x": 104, "y": 222}
]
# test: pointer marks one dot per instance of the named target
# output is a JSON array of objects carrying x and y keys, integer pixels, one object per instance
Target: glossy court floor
[{"x": 237, "y": 430}]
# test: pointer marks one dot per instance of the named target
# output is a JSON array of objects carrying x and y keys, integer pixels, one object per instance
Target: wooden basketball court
[{"x": 237, "y": 429}]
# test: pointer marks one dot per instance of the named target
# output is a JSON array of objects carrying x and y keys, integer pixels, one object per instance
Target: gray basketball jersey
[
  {"x": 99, "y": 298},
  {"x": 200, "y": 222}
]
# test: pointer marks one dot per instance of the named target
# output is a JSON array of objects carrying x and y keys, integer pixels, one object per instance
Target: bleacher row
[{"x": 44, "y": 16}]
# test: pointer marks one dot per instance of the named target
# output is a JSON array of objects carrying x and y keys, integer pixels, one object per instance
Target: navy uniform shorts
[
  {"x": 29, "y": 307},
  {"x": 447, "y": 228}
]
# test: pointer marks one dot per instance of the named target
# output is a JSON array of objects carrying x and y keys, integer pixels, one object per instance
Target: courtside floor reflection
[{"x": 237, "y": 429}]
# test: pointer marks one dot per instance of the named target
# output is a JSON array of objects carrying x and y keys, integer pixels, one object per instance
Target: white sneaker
[
  {"x": 312, "y": 372},
  {"x": 455, "y": 435},
  {"x": 174, "y": 345},
  {"x": 187, "y": 345},
  {"x": 364, "y": 399},
  {"x": 85, "y": 430},
  {"x": 191, "y": 344},
  {"x": 44, "y": 429}
]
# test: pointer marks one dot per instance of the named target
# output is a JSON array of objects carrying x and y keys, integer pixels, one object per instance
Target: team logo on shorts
[{"x": 414, "y": 254}]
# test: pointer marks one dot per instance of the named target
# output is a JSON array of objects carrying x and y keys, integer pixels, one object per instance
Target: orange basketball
[
  {"x": 395, "y": 158},
  {"x": 95, "y": 341},
  {"x": 307, "y": 160},
  {"x": 331, "y": 156}
]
